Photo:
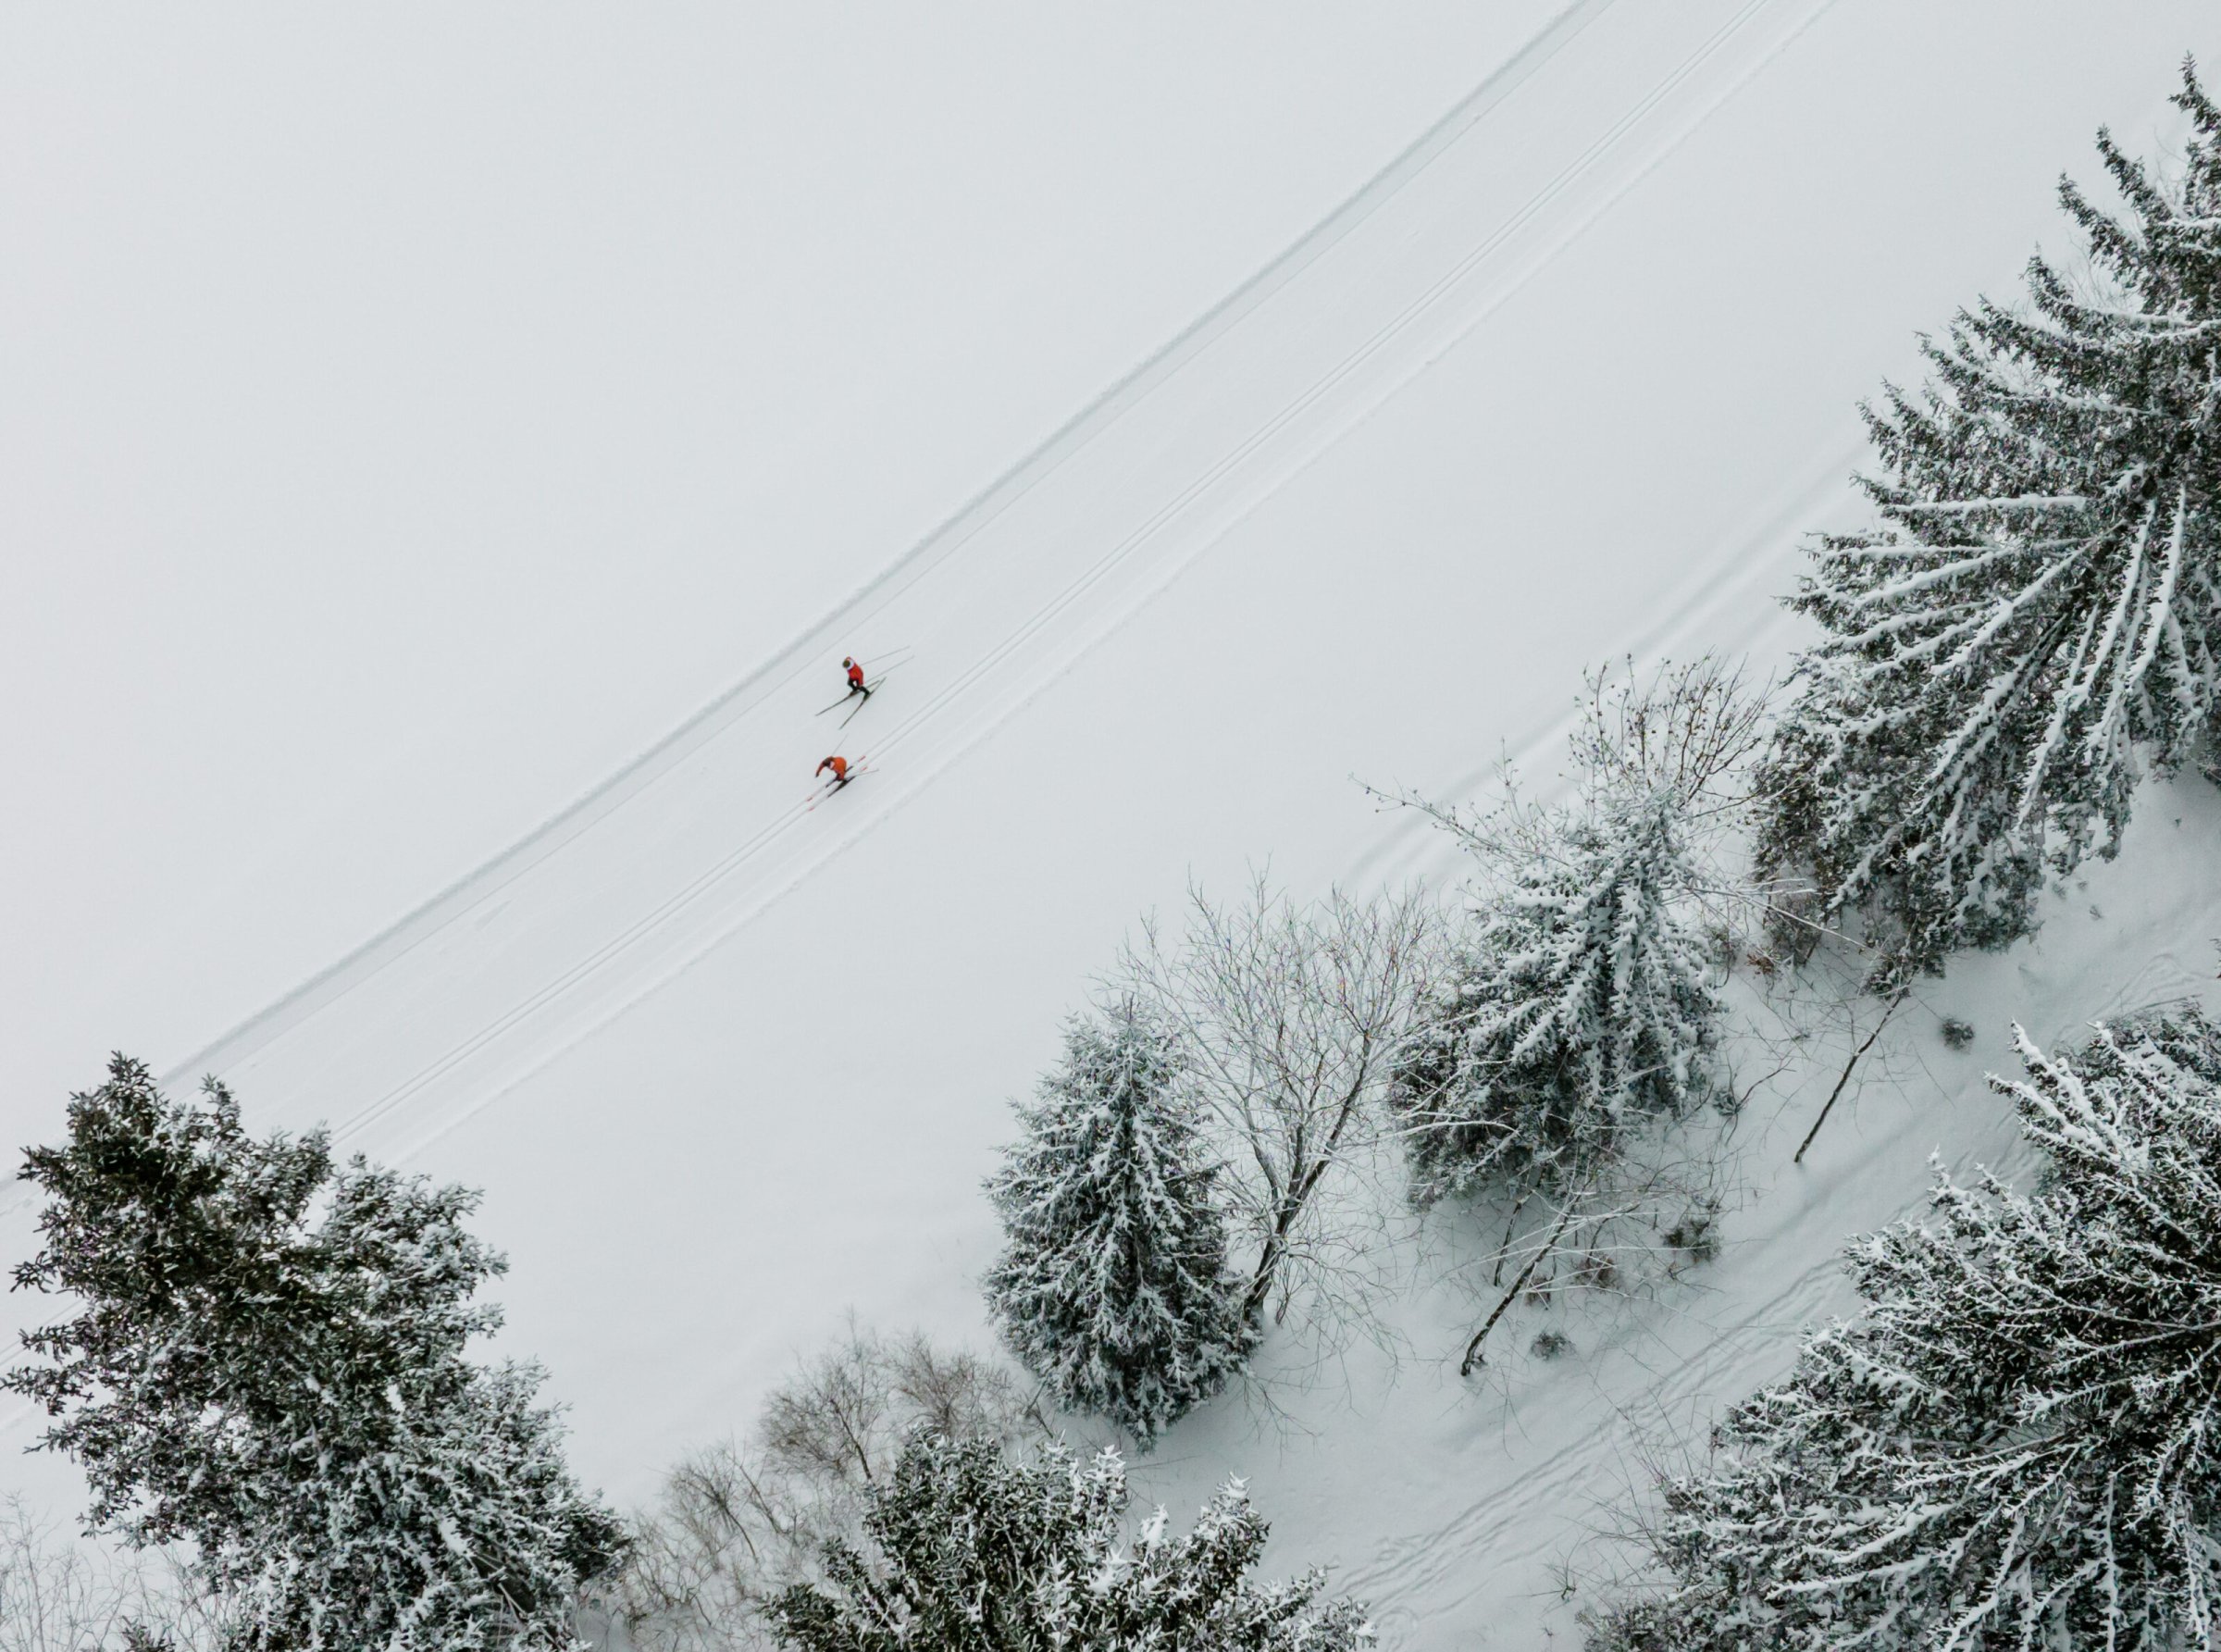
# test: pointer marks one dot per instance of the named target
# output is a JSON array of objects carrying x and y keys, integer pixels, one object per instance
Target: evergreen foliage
[
  {"x": 2042, "y": 609},
  {"x": 1581, "y": 1008},
  {"x": 973, "y": 1551},
  {"x": 2015, "y": 1445},
  {"x": 742, "y": 1520},
  {"x": 1112, "y": 1285},
  {"x": 269, "y": 1362}
]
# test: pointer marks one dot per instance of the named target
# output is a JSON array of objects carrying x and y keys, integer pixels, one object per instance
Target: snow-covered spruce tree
[
  {"x": 2015, "y": 1445},
  {"x": 973, "y": 1550},
  {"x": 1112, "y": 1285},
  {"x": 1581, "y": 1008},
  {"x": 268, "y": 1362},
  {"x": 2042, "y": 609}
]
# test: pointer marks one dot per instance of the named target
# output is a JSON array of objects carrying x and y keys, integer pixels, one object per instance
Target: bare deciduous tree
[
  {"x": 60, "y": 1596},
  {"x": 1693, "y": 729},
  {"x": 1292, "y": 1016}
]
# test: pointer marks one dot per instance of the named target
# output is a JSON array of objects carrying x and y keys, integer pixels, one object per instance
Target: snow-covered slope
[
  {"x": 1566, "y": 380},
  {"x": 411, "y": 414},
  {"x": 698, "y": 835}
]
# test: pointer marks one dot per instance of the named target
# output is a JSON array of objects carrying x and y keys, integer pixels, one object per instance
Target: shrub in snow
[
  {"x": 60, "y": 1593},
  {"x": 1696, "y": 1233},
  {"x": 740, "y": 1521},
  {"x": 2044, "y": 604},
  {"x": 1549, "y": 1344},
  {"x": 969, "y": 1549},
  {"x": 268, "y": 1362},
  {"x": 1956, "y": 1033},
  {"x": 1112, "y": 1285},
  {"x": 1582, "y": 1007},
  {"x": 2015, "y": 1445}
]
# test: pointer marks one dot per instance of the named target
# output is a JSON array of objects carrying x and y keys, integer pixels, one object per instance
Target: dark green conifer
[
  {"x": 2040, "y": 614},
  {"x": 1112, "y": 1285},
  {"x": 267, "y": 1360}
]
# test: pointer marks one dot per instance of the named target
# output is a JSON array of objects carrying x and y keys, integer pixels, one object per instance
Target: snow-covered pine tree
[
  {"x": 2043, "y": 607},
  {"x": 2015, "y": 1445},
  {"x": 268, "y": 1362},
  {"x": 1581, "y": 1008},
  {"x": 1112, "y": 1285},
  {"x": 973, "y": 1551}
]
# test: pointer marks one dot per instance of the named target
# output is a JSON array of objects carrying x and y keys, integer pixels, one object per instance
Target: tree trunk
[
  {"x": 1472, "y": 1348},
  {"x": 1845, "y": 1079}
]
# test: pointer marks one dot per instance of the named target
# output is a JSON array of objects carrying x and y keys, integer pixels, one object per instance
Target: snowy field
[{"x": 1184, "y": 536}]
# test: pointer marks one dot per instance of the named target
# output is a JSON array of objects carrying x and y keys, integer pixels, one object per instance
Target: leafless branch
[
  {"x": 1292, "y": 1017},
  {"x": 60, "y": 1593},
  {"x": 1692, "y": 728},
  {"x": 1887, "y": 1010}
]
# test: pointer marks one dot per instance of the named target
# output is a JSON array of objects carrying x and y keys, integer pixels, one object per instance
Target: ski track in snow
[
  {"x": 1089, "y": 528},
  {"x": 1436, "y": 1565},
  {"x": 622, "y": 891},
  {"x": 1227, "y": 416},
  {"x": 1409, "y": 846}
]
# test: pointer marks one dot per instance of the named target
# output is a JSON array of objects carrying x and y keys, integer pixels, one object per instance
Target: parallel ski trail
[
  {"x": 846, "y": 618},
  {"x": 1527, "y": 1518},
  {"x": 1169, "y": 420},
  {"x": 946, "y": 736}
]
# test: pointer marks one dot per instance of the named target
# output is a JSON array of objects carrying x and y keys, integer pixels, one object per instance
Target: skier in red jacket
[
  {"x": 839, "y": 766},
  {"x": 855, "y": 678}
]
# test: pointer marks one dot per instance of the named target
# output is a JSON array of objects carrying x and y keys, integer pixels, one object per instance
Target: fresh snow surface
[
  {"x": 411, "y": 412},
  {"x": 1564, "y": 381}
]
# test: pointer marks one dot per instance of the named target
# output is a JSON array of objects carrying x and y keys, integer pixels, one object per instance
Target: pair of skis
[
  {"x": 859, "y": 695},
  {"x": 819, "y": 793}
]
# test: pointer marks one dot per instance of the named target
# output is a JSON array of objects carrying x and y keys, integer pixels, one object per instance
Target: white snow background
[{"x": 409, "y": 419}]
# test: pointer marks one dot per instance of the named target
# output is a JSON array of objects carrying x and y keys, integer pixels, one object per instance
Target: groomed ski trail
[
  {"x": 842, "y": 623},
  {"x": 399, "y": 1043},
  {"x": 624, "y": 890}
]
